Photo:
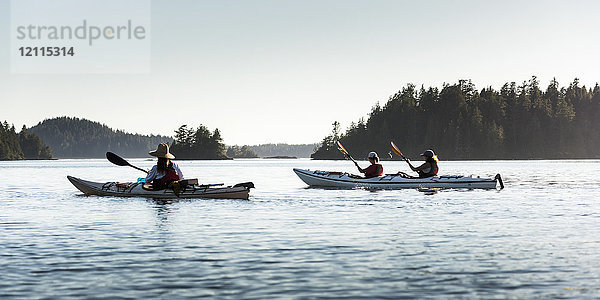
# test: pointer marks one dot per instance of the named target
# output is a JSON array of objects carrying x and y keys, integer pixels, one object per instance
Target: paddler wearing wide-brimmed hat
[{"x": 165, "y": 171}]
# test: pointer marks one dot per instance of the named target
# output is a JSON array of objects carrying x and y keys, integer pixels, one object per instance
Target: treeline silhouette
[
  {"x": 198, "y": 143},
  {"x": 295, "y": 150},
  {"x": 460, "y": 122},
  {"x": 81, "y": 138},
  {"x": 240, "y": 152},
  {"x": 23, "y": 145}
]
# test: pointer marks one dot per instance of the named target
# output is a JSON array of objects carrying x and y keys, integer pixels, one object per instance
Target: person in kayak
[
  {"x": 375, "y": 169},
  {"x": 165, "y": 171},
  {"x": 429, "y": 168}
]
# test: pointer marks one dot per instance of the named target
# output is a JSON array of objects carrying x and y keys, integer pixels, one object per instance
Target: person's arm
[
  {"x": 178, "y": 170},
  {"x": 423, "y": 167},
  {"x": 151, "y": 175},
  {"x": 409, "y": 164},
  {"x": 359, "y": 168}
]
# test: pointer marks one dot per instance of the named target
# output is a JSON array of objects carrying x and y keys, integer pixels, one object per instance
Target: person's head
[
  {"x": 373, "y": 157},
  {"x": 162, "y": 152},
  {"x": 428, "y": 155}
]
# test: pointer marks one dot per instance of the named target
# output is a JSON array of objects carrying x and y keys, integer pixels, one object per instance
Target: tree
[
  {"x": 24, "y": 145},
  {"x": 9, "y": 143},
  {"x": 32, "y": 146},
  {"x": 328, "y": 143},
  {"x": 198, "y": 144}
]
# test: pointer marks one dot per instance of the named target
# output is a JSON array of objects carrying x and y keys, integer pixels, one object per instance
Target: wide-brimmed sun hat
[{"x": 162, "y": 151}]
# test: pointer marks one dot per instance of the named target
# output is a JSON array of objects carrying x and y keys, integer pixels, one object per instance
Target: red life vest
[
  {"x": 170, "y": 176},
  {"x": 374, "y": 171},
  {"x": 432, "y": 171}
]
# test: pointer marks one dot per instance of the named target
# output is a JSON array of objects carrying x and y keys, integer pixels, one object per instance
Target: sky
[{"x": 284, "y": 71}]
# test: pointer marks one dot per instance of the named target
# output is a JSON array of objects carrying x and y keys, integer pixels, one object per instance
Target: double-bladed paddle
[
  {"x": 345, "y": 152},
  {"x": 397, "y": 151},
  {"x": 119, "y": 161}
]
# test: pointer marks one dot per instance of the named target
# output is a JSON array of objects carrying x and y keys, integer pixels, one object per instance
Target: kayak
[
  {"x": 395, "y": 181},
  {"x": 135, "y": 189}
]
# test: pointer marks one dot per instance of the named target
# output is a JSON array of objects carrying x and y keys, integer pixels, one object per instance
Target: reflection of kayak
[
  {"x": 395, "y": 181},
  {"x": 134, "y": 189}
]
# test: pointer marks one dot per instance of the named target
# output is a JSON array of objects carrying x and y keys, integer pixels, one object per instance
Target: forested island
[
  {"x": 284, "y": 150},
  {"x": 199, "y": 143},
  {"x": 23, "y": 145},
  {"x": 460, "y": 122},
  {"x": 80, "y": 138},
  {"x": 69, "y": 137}
]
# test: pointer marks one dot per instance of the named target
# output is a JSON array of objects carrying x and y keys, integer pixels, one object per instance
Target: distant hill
[
  {"x": 81, "y": 138},
  {"x": 271, "y": 150}
]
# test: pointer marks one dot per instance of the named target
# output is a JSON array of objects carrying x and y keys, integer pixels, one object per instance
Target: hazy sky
[{"x": 283, "y": 71}]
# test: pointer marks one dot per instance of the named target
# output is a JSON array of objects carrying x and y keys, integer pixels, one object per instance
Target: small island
[{"x": 198, "y": 144}]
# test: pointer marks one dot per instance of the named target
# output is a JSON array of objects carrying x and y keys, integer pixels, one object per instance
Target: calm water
[{"x": 538, "y": 238}]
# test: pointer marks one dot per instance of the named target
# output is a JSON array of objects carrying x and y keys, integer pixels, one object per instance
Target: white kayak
[
  {"x": 395, "y": 181},
  {"x": 135, "y": 189}
]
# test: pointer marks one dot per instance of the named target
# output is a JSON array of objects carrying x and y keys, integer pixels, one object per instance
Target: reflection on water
[
  {"x": 163, "y": 208},
  {"x": 537, "y": 238}
]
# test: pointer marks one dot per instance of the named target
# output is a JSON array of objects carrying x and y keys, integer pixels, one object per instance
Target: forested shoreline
[
  {"x": 295, "y": 150},
  {"x": 22, "y": 145},
  {"x": 460, "y": 122},
  {"x": 457, "y": 121},
  {"x": 199, "y": 143},
  {"x": 71, "y": 137},
  {"x": 81, "y": 138}
]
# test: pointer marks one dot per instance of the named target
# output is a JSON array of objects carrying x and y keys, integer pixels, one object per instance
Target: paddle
[
  {"x": 117, "y": 160},
  {"x": 344, "y": 151},
  {"x": 399, "y": 153}
]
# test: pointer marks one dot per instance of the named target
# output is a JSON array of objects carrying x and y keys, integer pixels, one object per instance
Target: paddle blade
[
  {"x": 341, "y": 148},
  {"x": 396, "y": 150},
  {"x": 115, "y": 159}
]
